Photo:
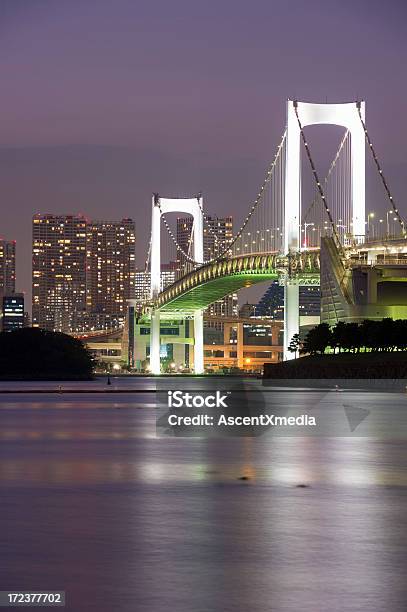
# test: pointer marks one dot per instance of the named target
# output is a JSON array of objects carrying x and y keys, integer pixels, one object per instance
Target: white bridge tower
[
  {"x": 345, "y": 115},
  {"x": 160, "y": 206}
]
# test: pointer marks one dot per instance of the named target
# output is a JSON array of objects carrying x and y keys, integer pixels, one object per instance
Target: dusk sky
[{"x": 105, "y": 101}]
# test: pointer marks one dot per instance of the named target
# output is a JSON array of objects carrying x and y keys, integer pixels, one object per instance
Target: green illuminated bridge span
[{"x": 213, "y": 281}]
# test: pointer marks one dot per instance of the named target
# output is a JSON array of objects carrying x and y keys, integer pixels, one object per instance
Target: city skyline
[
  {"x": 75, "y": 144},
  {"x": 203, "y": 305}
]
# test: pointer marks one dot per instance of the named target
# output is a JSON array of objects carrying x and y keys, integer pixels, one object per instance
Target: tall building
[
  {"x": 142, "y": 285},
  {"x": 110, "y": 272},
  {"x": 83, "y": 272},
  {"x": 7, "y": 266},
  {"x": 143, "y": 280},
  {"x": 184, "y": 231},
  {"x": 272, "y": 303},
  {"x": 217, "y": 232},
  {"x": 59, "y": 272},
  {"x": 12, "y": 315},
  {"x": 310, "y": 302}
]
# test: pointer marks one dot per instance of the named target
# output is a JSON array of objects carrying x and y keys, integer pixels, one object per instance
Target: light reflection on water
[{"x": 94, "y": 504}]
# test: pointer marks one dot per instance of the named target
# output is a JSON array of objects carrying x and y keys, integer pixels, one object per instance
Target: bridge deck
[{"x": 208, "y": 292}]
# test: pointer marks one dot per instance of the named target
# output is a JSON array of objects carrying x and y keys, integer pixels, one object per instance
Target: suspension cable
[
  {"x": 385, "y": 183},
  {"x": 315, "y": 174},
  {"x": 231, "y": 241},
  {"x": 171, "y": 234},
  {"x": 173, "y": 238},
  {"x": 268, "y": 179},
  {"x": 331, "y": 169}
]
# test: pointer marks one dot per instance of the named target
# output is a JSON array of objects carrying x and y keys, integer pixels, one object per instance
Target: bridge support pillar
[
  {"x": 291, "y": 316},
  {"x": 155, "y": 365},
  {"x": 199, "y": 342},
  {"x": 240, "y": 344}
]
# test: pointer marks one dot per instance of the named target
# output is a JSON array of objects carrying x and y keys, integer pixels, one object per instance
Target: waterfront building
[{"x": 241, "y": 344}]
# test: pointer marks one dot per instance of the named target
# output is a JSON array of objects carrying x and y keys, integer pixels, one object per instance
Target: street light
[
  {"x": 388, "y": 212},
  {"x": 369, "y": 216}
]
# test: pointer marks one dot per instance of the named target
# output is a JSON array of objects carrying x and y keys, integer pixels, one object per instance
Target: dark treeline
[
  {"x": 33, "y": 353},
  {"x": 386, "y": 335}
]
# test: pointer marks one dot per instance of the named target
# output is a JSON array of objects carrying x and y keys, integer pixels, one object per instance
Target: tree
[
  {"x": 295, "y": 344},
  {"x": 346, "y": 336},
  {"x": 34, "y": 353},
  {"x": 385, "y": 334},
  {"x": 368, "y": 334},
  {"x": 400, "y": 334},
  {"x": 338, "y": 335},
  {"x": 317, "y": 339}
]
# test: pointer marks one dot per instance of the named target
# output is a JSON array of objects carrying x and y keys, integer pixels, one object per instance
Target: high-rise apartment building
[
  {"x": 59, "y": 272},
  {"x": 7, "y": 266},
  {"x": 83, "y": 272},
  {"x": 110, "y": 272},
  {"x": 217, "y": 232}
]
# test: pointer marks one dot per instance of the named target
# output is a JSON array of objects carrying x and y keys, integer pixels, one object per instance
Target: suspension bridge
[{"x": 279, "y": 238}]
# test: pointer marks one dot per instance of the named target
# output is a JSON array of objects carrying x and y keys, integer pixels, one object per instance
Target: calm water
[{"x": 94, "y": 504}]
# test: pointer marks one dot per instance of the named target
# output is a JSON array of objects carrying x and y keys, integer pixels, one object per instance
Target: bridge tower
[
  {"x": 345, "y": 115},
  {"x": 160, "y": 206}
]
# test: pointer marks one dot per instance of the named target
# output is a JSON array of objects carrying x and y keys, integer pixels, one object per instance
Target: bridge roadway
[{"x": 213, "y": 281}]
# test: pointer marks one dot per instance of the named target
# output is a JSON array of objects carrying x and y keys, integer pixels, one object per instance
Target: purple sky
[{"x": 103, "y": 102}]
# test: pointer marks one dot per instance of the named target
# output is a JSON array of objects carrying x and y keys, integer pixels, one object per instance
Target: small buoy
[
  {"x": 108, "y": 380},
  {"x": 60, "y": 388}
]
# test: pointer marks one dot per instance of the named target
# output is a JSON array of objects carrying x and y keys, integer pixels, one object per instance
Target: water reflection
[{"x": 94, "y": 504}]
